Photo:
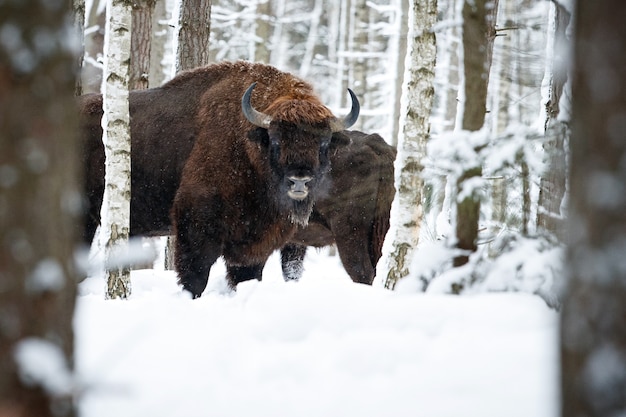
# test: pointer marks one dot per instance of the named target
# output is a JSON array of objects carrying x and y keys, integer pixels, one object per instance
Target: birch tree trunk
[
  {"x": 116, "y": 138},
  {"x": 593, "y": 324},
  {"x": 499, "y": 103},
  {"x": 40, "y": 208},
  {"x": 406, "y": 212},
  {"x": 552, "y": 184},
  {"x": 478, "y": 35},
  {"x": 402, "y": 27}
]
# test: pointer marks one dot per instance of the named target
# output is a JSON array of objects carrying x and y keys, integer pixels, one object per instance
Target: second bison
[{"x": 355, "y": 214}]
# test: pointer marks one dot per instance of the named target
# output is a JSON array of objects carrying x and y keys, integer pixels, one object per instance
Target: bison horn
[
  {"x": 255, "y": 117},
  {"x": 338, "y": 125}
]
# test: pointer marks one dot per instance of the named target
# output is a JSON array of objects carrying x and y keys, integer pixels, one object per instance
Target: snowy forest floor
[{"x": 320, "y": 347}]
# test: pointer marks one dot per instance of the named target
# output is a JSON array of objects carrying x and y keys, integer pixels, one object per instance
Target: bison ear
[
  {"x": 260, "y": 136},
  {"x": 340, "y": 139}
]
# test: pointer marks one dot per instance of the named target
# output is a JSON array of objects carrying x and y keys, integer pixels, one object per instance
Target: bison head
[{"x": 297, "y": 132}]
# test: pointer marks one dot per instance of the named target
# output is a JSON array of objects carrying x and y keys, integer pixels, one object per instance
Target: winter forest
[{"x": 501, "y": 286}]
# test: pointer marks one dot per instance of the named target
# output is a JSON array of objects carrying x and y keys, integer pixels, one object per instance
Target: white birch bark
[
  {"x": 116, "y": 138},
  {"x": 406, "y": 210},
  {"x": 398, "y": 55}
]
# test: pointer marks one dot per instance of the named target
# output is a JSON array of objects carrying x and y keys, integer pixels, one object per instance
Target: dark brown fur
[{"x": 355, "y": 213}]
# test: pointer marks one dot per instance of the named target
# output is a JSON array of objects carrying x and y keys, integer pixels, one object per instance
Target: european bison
[
  {"x": 241, "y": 149},
  {"x": 355, "y": 214},
  {"x": 257, "y": 167}
]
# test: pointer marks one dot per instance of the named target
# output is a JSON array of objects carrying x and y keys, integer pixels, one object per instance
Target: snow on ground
[{"x": 320, "y": 347}]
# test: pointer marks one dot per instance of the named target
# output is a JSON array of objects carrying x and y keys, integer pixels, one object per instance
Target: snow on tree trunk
[
  {"x": 553, "y": 181},
  {"x": 194, "y": 29},
  {"x": 40, "y": 207},
  {"x": 406, "y": 212},
  {"x": 116, "y": 138},
  {"x": 593, "y": 320}
]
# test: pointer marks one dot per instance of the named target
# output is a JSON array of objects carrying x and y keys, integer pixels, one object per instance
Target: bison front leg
[
  {"x": 292, "y": 260},
  {"x": 236, "y": 273},
  {"x": 197, "y": 245}
]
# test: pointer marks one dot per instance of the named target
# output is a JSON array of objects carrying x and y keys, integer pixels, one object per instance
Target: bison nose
[{"x": 298, "y": 189}]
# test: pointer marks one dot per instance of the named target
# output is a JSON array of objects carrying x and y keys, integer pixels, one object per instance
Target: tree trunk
[
  {"x": 116, "y": 138},
  {"x": 193, "y": 51},
  {"x": 403, "y": 27},
  {"x": 359, "y": 46},
  {"x": 478, "y": 35},
  {"x": 78, "y": 12},
  {"x": 552, "y": 184},
  {"x": 141, "y": 41},
  {"x": 40, "y": 206},
  {"x": 406, "y": 215},
  {"x": 593, "y": 324},
  {"x": 263, "y": 32},
  {"x": 194, "y": 33},
  {"x": 161, "y": 51},
  {"x": 91, "y": 73}
]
